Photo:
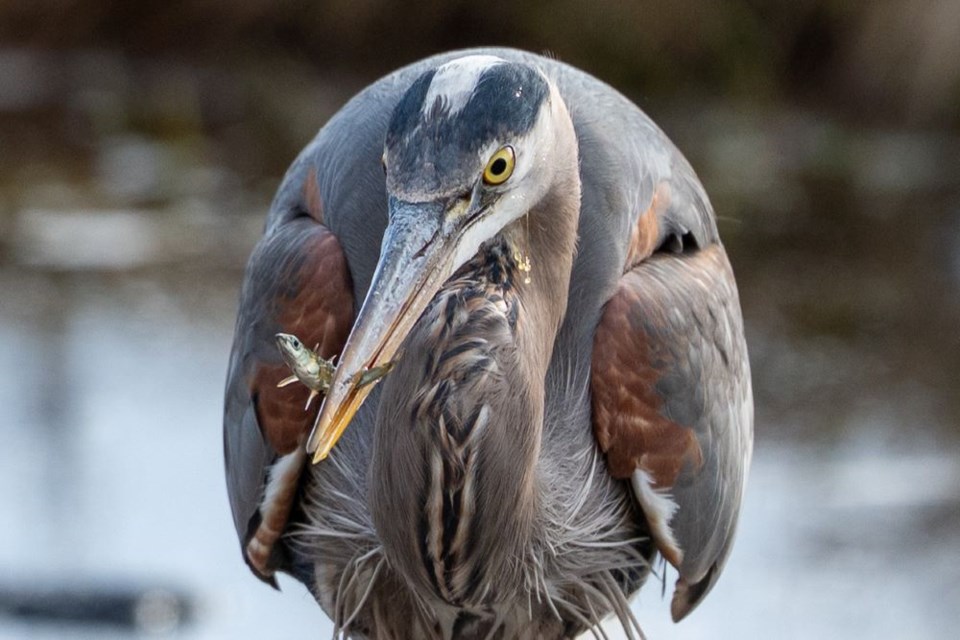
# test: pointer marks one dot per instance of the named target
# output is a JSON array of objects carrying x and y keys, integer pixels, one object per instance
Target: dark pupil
[{"x": 499, "y": 166}]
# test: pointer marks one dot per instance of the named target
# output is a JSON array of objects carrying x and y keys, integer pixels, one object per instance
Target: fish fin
[
  {"x": 372, "y": 375},
  {"x": 287, "y": 381},
  {"x": 313, "y": 394}
]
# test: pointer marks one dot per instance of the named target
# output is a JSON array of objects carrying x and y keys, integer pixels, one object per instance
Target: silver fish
[{"x": 315, "y": 372}]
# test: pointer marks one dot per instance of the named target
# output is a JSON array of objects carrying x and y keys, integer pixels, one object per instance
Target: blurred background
[{"x": 140, "y": 145}]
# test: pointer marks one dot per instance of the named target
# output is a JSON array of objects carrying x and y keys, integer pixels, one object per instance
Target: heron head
[{"x": 471, "y": 147}]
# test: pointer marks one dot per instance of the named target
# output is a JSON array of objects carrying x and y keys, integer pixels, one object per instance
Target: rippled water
[{"x": 117, "y": 296}]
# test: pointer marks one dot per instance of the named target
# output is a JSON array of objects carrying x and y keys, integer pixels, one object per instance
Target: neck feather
[{"x": 460, "y": 418}]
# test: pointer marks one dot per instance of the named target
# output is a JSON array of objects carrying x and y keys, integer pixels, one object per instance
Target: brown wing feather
[
  {"x": 298, "y": 282},
  {"x": 672, "y": 406},
  {"x": 316, "y": 306}
]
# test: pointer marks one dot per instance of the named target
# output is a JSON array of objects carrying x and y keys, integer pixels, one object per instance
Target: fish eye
[{"x": 499, "y": 166}]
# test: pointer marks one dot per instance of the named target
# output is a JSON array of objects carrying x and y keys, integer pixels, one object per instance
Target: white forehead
[{"x": 457, "y": 79}]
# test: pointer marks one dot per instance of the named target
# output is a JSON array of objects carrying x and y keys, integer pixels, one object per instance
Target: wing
[
  {"x": 673, "y": 406},
  {"x": 297, "y": 281}
]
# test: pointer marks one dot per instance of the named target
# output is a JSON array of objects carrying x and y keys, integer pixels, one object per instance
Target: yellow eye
[{"x": 499, "y": 166}]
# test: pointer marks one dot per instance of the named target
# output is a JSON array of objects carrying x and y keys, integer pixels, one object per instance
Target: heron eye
[{"x": 499, "y": 166}]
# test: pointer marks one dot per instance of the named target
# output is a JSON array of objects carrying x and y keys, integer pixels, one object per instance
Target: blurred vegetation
[
  {"x": 888, "y": 60},
  {"x": 827, "y": 133},
  {"x": 214, "y": 63}
]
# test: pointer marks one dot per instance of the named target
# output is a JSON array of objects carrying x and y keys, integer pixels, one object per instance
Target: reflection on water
[
  {"x": 113, "y": 447},
  {"x": 118, "y": 295},
  {"x": 113, "y": 417}
]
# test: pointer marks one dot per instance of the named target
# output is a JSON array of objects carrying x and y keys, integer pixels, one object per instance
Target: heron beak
[{"x": 417, "y": 256}]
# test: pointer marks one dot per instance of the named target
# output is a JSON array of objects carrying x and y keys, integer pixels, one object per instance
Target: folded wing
[
  {"x": 673, "y": 407},
  {"x": 297, "y": 281}
]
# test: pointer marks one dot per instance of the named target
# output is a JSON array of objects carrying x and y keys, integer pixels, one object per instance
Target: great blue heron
[{"x": 571, "y": 392}]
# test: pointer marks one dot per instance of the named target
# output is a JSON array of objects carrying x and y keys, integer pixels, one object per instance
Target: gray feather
[{"x": 590, "y": 549}]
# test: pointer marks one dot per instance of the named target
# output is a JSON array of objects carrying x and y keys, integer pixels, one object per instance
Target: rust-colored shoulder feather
[
  {"x": 297, "y": 282},
  {"x": 315, "y": 304},
  {"x": 672, "y": 407}
]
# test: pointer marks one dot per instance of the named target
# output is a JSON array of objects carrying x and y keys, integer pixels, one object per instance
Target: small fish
[
  {"x": 309, "y": 368},
  {"x": 314, "y": 372},
  {"x": 372, "y": 375}
]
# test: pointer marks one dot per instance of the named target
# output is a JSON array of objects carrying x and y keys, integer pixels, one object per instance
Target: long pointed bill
[{"x": 416, "y": 258}]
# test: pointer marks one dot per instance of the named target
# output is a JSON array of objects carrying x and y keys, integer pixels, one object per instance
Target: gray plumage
[{"x": 476, "y": 492}]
